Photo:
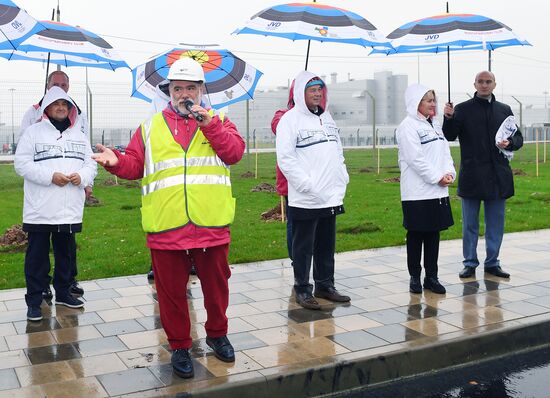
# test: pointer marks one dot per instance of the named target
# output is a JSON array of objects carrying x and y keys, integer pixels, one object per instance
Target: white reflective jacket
[
  {"x": 43, "y": 150},
  {"x": 424, "y": 155},
  {"x": 310, "y": 155}
]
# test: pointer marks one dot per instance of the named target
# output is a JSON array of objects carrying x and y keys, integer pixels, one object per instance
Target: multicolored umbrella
[
  {"x": 15, "y": 25},
  {"x": 454, "y": 31},
  {"x": 451, "y": 32},
  {"x": 314, "y": 21},
  {"x": 228, "y": 78},
  {"x": 71, "y": 41}
]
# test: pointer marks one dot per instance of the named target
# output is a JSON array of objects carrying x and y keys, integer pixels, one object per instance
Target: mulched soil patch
[
  {"x": 14, "y": 238},
  {"x": 248, "y": 174},
  {"x": 264, "y": 187},
  {"x": 272, "y": 214},
  {"x": 518, "y": 172}
]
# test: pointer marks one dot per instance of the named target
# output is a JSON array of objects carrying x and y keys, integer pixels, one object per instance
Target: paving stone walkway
[{"x": 115, "y": 346}]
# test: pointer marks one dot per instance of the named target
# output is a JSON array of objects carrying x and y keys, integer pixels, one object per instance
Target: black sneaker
[
  {"x": 47, "y": 294},
  {"x": 69, "y": 301},
  {"x": 34, "y": 314},
  {"x": 76, "y": 289},
  {"x": 223, "y": 350},
  {"x": 432, "y": 283},
  {"x": 193, "y": 270},
  {"x": 151, "y": 274},
  {"x": 415, "y": 286},
  {"x": 182, "y": 363}
]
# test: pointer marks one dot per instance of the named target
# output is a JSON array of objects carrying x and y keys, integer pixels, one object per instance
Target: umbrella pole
[
  {"x": 449, "y": 74},
  {"x": 489, "y": 61},
  {"x": 307, "y": 53},
  {"x": 448, "y": 67},
  {"x": 48, "y": 63}
]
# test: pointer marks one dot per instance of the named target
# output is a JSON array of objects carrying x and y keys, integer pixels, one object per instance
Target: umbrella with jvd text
[
  {"x": 451, "y": 32},
  {"x": 15, "y": 25},
  {"x": 314, "y": 21}
]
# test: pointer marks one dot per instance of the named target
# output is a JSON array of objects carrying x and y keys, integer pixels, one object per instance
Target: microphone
[{"x": 188, "y": 105}]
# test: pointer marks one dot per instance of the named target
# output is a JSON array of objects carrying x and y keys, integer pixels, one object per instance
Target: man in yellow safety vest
[{"x": 183, "y": 155}]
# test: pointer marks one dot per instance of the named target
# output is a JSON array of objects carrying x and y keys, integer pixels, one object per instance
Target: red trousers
[{"x": 171, "y": 268}]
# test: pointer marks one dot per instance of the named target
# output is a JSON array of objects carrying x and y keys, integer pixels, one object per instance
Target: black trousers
[
  {"x": 37, "y": 264},
  {"x": 415, "y": 241},
  {"x": 313, "y": 239}
]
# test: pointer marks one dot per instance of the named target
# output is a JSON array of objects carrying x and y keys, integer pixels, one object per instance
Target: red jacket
[
  {"x": 229, "y": 146},
  {"x": 281, "y": 182}
]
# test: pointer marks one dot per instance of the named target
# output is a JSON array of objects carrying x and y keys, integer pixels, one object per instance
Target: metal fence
[{"x": 115, "y": 115}]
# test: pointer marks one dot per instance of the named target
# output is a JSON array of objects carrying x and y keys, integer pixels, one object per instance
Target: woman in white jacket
[
  {"x": 54, "y": 158},
  {"x": 426, "y": 172},
  {"x": 309, "y": 153}
]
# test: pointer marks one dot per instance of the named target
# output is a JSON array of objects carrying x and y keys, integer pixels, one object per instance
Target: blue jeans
[{"x": 494, "y": 230}]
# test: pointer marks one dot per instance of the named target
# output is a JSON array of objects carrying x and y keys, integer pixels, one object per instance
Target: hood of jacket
[
  {"x": 53, "y": 94},
  {"x": 413, "y": 96},
  {"x": 298, "y": 92}
]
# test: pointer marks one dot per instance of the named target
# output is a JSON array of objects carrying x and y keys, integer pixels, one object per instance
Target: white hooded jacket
[
  {"x": 309, "y": 153},
  {"x": 42, "y": 151},
  {"x": 424, "y": 154}
]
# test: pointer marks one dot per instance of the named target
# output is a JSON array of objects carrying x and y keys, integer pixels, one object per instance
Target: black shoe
[
  {"x": 307, "y": 301},
  {"x": 415, "y": 286},
  {"x": 151, "y": 274},
  {"x": 331, "y": 294},
  {"x": 76, "y": 289},
  {"x": 223, "y": 350},
  {"x": 467, "y": 272},
  {"x": 47, "y": 294},
  {"x": 69, "y": 301},
  {"x": 182, "y": 363},
  {"x": 193, "y": 270},
  {"x": 432, "y": 283},
  {"x": 34, "y": 314},
  {"x": 497, "y": 271}
]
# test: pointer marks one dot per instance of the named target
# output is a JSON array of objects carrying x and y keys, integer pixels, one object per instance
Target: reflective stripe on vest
[{"x": 181, "y": 186}]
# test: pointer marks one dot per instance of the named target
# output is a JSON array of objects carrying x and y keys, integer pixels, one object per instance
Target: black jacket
[{"x": 484, "y": 172}]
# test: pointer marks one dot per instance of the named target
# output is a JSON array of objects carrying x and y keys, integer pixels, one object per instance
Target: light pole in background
[
  {"x": 545, "y": 92},
  {"x": 12, "y": 122}
]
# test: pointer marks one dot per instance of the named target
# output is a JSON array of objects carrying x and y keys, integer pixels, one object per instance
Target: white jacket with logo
[
  {"x": 424, "y": 155},
  {"x": 309, "y": 153},
  {"x": 43, "y": 150}
]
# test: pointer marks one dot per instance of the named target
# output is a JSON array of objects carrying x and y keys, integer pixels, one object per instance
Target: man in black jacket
[{"x": 485, "y": 173}]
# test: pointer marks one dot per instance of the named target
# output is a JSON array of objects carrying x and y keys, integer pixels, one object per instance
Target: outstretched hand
[{"x": 106, "y": 157}]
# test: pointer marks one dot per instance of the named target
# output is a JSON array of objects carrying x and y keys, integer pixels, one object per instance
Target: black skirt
[{"x": 427, "y": 215}]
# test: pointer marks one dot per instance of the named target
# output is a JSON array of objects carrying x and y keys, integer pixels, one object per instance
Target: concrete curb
[{"x": 345, "y": 375}]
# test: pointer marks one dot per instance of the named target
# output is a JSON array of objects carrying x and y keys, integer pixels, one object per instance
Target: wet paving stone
[{"x": 53, "y": 353}]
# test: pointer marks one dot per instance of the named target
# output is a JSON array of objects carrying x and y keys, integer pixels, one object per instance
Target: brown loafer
[{"x": 331, "y": 294}]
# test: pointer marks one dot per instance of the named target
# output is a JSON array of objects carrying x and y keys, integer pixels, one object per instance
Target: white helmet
[{"x": 186, "y": 69}]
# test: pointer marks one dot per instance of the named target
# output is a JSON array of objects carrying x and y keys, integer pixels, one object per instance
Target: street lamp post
[{"x": 12, "y": 122}]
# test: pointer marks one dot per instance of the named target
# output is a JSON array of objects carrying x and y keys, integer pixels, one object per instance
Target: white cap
[{"x": 186, "y": 69}]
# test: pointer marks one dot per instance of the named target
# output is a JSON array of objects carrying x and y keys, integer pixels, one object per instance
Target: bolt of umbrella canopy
[
  {"x": 228, "y": 78},
  {"x": 451, "y": 32},
  {"x": 15, "y": 25},
  {"x": 314, "y": 21}
]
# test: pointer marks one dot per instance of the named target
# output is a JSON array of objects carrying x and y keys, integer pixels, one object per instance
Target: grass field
[{"x": 113, "y": 244}]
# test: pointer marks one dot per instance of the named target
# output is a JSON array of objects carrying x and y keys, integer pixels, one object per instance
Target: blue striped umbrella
[
  {"x": 314, "y": 21},
  {"x": 81, "y": 47},
  {"x": 228, "y": 78},
  {"x": 15, "y": 25},
  {"x": 451, "y": 32}
]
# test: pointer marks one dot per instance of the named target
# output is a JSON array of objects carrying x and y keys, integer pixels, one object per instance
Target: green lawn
[{"x": 113, "y": 244}]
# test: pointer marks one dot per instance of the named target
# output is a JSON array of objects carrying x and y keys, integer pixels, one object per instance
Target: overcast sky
[{"x": 155, "y": 26}]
